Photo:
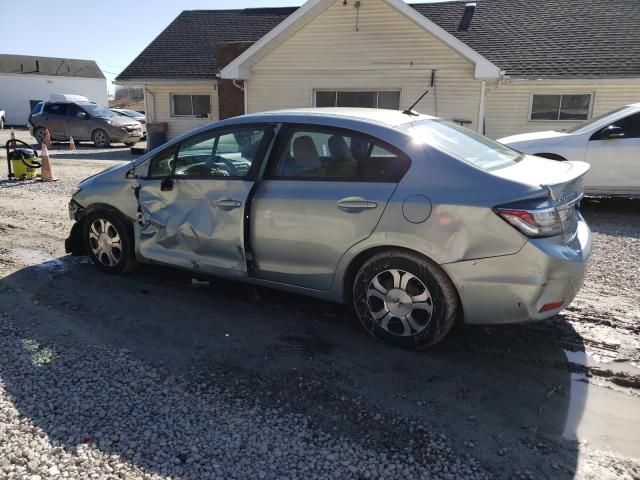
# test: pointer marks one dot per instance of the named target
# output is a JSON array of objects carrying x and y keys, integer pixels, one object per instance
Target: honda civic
[{"x": 415, "y": 222}]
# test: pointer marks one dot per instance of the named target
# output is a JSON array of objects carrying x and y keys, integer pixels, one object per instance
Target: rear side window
[
  {"x": 318, "y": 153},
  {"x": 56, "y": 109}
]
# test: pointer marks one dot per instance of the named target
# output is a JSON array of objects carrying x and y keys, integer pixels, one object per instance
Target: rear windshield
[{"x": 462, "y": 143}]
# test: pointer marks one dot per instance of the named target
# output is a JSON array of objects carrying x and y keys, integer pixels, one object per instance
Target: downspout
[
  {"x": 150, "y": 105},
  {"x": 242, "y": 87},
  {"x": 435, "y": 93},
  {"x": 483, "y": 88}
]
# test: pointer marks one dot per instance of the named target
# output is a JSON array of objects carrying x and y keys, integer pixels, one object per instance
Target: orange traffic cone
[
  {"x": 72, "y": 144},
  {"x": 46, "y": 173},
  {"x": 13, "y": 143},
  {"x": 47, "y": 138}
]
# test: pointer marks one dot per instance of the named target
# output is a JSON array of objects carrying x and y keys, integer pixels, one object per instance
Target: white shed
[{"x": 26, "y": 80}]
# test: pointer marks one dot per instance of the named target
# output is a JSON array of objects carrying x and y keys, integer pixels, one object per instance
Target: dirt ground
[{"x": 555, "y": 399}]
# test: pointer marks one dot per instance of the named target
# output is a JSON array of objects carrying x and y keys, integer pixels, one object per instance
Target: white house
[
  {"x": 26, "y": 80},
  {"x": 498, "y": 66}
]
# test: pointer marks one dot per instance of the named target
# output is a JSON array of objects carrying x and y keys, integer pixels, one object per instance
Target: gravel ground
[
  {"x": 147, "y": 376},
  {"x": 127, "y": 420}
]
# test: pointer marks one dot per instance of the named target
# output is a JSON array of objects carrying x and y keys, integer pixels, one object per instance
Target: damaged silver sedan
[{"x": 414, "y": 221}]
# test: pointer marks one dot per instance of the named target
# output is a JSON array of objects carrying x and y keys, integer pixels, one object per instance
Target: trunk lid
[{"x": 563, "y": 180}]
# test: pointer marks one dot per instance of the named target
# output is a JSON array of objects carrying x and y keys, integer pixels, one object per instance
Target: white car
[{"x": 609, "y": 143}]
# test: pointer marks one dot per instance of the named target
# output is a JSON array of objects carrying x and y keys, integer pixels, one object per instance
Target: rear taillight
[{"x": 533, "y": 223}]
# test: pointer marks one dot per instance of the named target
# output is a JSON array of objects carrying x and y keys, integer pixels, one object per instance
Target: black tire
[
  {"x": 100, "y": 138},
  {"x": 121, "y": 259},
  {"x": 427, "y": 286},
  {"x": 39, "y": 134}
]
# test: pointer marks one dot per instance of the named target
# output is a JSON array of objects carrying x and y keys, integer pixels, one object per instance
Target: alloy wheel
[
  {"x": 100, "y": 138},
  {"x": 105, "y": 242},
  {"x": 399, "y": 302}
]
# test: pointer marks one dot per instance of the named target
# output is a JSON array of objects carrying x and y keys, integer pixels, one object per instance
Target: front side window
[
  {"x": 364, "y": 99},
  {"x": 340, "y": 155},
  {"x": 560, "y": 107},
  {"x": 161, "y": 166},
  {"x": 221, "y": 154},
  {"x": 462, "y": 143},
  {"x": 190, "y": 105},
  {"x": 629, "y": 128}
]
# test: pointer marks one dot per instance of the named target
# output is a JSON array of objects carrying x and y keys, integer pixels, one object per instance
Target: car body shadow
[{"x": 501, "y": 394}]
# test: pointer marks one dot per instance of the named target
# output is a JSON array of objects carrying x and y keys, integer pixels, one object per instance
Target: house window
[
  {"x": 560, "y": 107},
  {"x": 190, "y": 105},
  {"x": 350, "y": 98}
]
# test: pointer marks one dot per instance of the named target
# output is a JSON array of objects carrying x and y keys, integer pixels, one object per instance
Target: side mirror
[
  {"x": 81, "y": 115},
  {"x": 611, "y": 132},
  {"x": 131, "y": 173}
]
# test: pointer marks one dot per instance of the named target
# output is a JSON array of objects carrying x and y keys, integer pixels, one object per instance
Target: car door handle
[
  {"x": 356, "y": 204},
  {"x": 166, "y": 185},
  {"x": 228, "y": 203}
]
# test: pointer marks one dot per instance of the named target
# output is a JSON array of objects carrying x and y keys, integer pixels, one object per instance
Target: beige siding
[
  {"x": 507, "y": 107},
  {"x": 158, "y": 101},
  {"x": 387, "y": 52}
]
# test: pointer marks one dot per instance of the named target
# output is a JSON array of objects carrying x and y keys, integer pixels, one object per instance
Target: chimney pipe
[{"x": 465, "y": 21}]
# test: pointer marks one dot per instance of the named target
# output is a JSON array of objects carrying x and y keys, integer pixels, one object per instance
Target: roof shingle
[
  {"x": 541, "y": 39},
  {"x": 61, "y": 67}
]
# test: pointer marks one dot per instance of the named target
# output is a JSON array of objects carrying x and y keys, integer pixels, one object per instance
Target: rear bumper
[{"x": 514, "y": 288}]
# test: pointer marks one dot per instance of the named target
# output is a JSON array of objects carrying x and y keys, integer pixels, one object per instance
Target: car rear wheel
[
  {"x": 109, "y": 242},
  {"x": 39, "y": 134},
  {"x": 101, "y": 139},
  {"x": 405, "y": 300}
]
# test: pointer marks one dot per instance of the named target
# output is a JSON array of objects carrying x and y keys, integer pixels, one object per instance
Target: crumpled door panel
[{"x": 184, "y": 226}]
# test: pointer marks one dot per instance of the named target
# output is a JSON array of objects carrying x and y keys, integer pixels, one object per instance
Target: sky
[{"x": 110, "y": 32}]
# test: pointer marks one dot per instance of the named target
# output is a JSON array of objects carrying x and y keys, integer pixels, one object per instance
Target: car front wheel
[
  {"x": 109, "y": 242},
  {"x": 405, "y": 300},
  {"x": 101, "y": 139}
]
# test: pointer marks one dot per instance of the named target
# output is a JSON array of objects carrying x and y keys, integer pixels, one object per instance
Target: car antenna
[{"x": 410, "y": 111}]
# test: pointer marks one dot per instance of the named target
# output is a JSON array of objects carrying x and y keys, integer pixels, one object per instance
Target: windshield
[
  {"x": 462, "y": 143},
  {"x": 97, "y": 110},
  {"x": 588, "y": 123}
]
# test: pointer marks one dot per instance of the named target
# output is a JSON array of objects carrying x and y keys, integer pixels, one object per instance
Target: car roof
[{"x": 389, "y": 118}]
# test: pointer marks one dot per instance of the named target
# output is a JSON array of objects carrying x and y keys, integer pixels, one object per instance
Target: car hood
[
  {"x": 115, "y": 172},
  {"x": 122, "y": 121},
  {"x": 548, "y": 137}
]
